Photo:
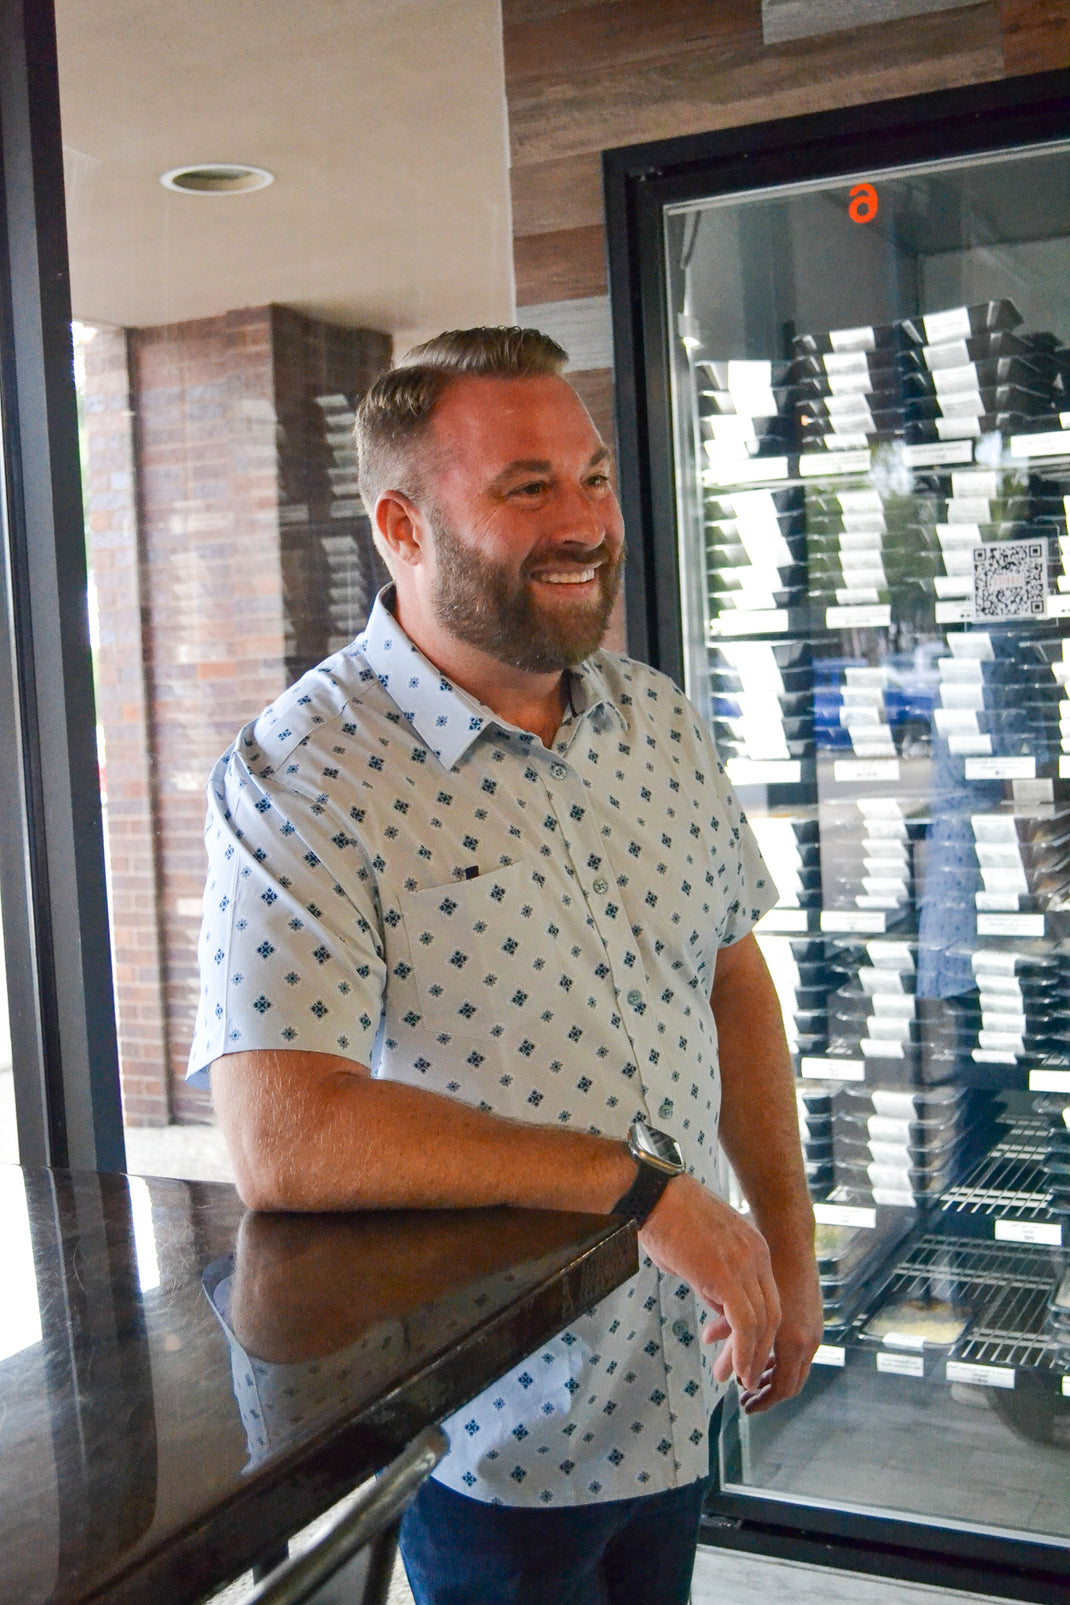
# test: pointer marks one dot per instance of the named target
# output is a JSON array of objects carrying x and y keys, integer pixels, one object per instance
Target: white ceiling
[{"x": 384, "y": 122}]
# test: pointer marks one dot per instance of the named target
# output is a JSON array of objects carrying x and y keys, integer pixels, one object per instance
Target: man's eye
[
  {"x": 598, "y": 481},
  {"x": 534, "y": 487}
]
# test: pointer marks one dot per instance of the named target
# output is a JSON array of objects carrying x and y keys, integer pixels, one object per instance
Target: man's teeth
[{"x": 573, "y": 576}]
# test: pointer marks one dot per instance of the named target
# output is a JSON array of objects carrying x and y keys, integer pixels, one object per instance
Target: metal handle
[{"x": 296, "y": 1579}]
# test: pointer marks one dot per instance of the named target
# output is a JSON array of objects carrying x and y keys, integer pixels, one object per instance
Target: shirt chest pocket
[{"x": 487, "y": 952}]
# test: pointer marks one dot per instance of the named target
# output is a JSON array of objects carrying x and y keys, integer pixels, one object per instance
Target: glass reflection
[
  {"x": 20, "y": 1315},
  {"x": 318, "y": 1309},
  {"x": 148, "y": 1265},
  {"x": 871, "y": 400},
  {"x": 223, "y": 341}
]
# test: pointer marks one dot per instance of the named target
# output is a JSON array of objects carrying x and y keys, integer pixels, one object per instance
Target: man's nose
[{"x": 583, "y": 520}]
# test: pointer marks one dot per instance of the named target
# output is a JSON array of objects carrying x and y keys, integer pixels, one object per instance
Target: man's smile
[{"x": 570, "y": 576}]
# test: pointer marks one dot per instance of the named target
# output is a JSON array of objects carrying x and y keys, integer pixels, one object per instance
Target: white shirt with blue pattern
[{"x": 398, "y": 876}]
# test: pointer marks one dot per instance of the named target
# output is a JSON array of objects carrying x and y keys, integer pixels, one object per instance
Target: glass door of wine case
[{"x": 848, "y": 339}]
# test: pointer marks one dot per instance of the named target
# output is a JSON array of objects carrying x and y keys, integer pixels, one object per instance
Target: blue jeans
[{"x": 460, "y": 1551}]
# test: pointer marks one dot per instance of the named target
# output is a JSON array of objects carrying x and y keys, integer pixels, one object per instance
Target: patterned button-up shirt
[{"x": 400, "y": 877}]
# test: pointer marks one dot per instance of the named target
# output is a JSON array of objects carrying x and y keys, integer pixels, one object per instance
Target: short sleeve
[{"x": 290, "y": 955}]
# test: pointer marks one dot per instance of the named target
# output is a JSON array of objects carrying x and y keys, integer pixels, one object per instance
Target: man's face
[{"x": 527, "y": 534}]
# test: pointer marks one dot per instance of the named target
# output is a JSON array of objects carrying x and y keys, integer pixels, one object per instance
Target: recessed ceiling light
[{"x": 217, "y": 178}]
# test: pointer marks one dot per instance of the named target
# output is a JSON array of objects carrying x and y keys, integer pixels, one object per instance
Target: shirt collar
[
  {"x": 589, "y": 690},
  {"x": 445, "y": 717}
]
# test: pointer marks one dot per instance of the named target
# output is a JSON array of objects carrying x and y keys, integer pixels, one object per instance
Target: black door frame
[{"x": 55, "y": 917}]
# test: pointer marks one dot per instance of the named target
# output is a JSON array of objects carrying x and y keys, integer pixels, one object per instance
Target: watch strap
[{"x": 642, "y": 1196}]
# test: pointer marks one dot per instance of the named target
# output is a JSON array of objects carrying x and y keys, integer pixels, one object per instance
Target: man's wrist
[
  {"x": 643, "y": 1196},
  {"x": 788, "y": 1230},
  {"x": 658, "y": 1161}
]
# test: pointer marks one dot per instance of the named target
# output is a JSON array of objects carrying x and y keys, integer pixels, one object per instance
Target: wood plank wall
[{"x": 582, "y": 76}]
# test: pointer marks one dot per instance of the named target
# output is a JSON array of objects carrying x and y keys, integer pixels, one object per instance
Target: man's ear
[{"x": 401, "y": 525}]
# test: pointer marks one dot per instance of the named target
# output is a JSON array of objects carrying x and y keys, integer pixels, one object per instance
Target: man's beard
[{"x": 486, "y": 607}]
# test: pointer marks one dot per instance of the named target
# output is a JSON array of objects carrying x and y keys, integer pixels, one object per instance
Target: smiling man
[{"x": 478, "y": 931}]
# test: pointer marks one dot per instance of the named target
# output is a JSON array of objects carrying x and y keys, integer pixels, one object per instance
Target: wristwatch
[{"x": 659, "y": 1160}]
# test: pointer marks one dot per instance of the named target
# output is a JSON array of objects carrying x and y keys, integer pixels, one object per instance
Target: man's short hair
[{"x": 394, "y": 417}]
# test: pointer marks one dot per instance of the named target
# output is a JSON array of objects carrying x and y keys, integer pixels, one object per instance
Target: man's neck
[
  {"x": 541, "y": 715},
  {"x": 534, "y": 702}
]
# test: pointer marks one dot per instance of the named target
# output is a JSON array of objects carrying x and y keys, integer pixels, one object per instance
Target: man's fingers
[
  {"x": 782, "y": 1378},
  {"x": 755, "y": 1400},
  {"x": 766, "y": 1305},
  {"x": 698, "y": 1237},
  {"x": 753, "y": 1315},
  {"x": 737, "y": 1356},
  {"x": 749, "y": 1315},
  {"x": 794, "y": 1378},
  {"x": 724, "y": 1365}
]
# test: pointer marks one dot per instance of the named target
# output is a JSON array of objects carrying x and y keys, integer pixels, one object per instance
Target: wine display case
[{"x": 843, "y": 349}]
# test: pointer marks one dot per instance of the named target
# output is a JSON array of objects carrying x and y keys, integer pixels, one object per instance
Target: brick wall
[
  {"x": 230, "y": 554},
  {"x": 123, "y": 711}
]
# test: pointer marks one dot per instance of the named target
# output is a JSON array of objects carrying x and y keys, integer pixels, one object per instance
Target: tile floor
[{"x": 806, "y": 1453}]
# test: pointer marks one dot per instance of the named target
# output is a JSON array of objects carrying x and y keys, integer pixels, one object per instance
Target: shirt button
[
  {"x": 681, "y": 1329},
  {"x": 635, "y": 997},
  {"x": 558, "y": 771},
  {"x": 601, "y": 886}
]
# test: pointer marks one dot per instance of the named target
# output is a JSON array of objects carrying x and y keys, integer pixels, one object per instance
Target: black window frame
[{"x": 55, "y": 916}]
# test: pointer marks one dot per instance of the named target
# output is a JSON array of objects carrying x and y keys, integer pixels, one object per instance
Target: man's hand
[
  {"x": 769, "y": 1301},
  {"x": 693, "y": 1235},
  {"x": 800, "y": 1332}
]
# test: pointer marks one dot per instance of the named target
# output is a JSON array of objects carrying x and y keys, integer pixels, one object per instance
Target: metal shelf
[
  {"x": 1006, "y": 1190},
  {"x": 1007, "y": 1286}
]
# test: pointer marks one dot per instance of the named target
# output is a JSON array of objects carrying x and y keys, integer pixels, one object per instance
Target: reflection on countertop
[{"x": 182, "y": 1383}]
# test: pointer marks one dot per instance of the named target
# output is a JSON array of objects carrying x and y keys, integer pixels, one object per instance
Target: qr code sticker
[{"x": 1010, "y": 580}]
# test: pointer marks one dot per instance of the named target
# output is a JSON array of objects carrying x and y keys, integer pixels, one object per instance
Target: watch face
[{"x": 657, "y": 1146}]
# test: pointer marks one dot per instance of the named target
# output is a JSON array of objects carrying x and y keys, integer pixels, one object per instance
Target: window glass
[
  {"x": 871, "y": 390},
  {"x": 335, "y": 200},
  {"x": 8, "y": 1138}
]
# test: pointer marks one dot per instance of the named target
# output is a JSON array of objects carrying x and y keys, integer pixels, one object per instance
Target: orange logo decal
[{"x": 863, "y": 204}]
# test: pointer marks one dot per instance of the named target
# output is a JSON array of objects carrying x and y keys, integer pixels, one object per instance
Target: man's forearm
[
  {"x": 760, "y": 1134},
  {"x": 759, "y": 1127},
  {"x": 312, "y": 1132}
]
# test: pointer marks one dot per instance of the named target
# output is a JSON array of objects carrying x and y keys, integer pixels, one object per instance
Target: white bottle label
[
  {"x": 845, "y": 1215},
  {"x": 1029, "y": 1231},
  {"x": 951, "y": 325},
  {"x": 832, "y": 1069},
  {"x": 981, "y": 1376},
  {"x": 902, "y": 1365},
  {"x": 1001, "y": 768}
]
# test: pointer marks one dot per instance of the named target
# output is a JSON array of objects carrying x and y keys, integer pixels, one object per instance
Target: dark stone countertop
[{"x": 182, "y": 1383}]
